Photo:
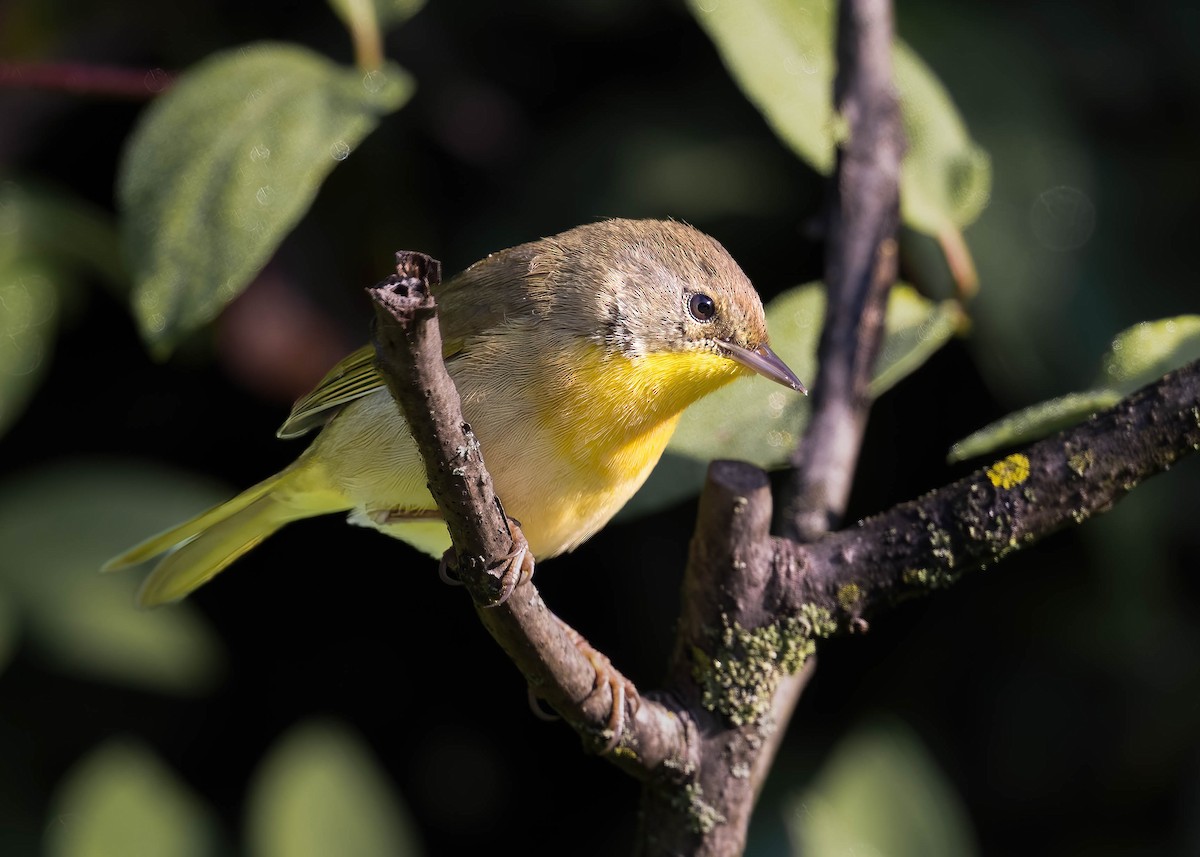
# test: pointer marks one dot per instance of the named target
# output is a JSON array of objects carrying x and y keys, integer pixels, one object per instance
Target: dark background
[{"x": 1059, "y": 691}]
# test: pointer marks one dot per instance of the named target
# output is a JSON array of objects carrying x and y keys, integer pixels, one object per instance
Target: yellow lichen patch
[
  {"x": 1010, "y": 472},
  {"x": 849, "y": 595}
]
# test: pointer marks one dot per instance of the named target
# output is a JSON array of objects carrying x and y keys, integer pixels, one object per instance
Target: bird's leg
[{"x": 621, "y": 688}]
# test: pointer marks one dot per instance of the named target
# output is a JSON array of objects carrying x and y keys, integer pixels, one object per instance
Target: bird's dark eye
[{"x": 701, "y": 307}]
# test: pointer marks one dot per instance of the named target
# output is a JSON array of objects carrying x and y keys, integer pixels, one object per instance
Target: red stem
[{"x": 84, "y": 79}]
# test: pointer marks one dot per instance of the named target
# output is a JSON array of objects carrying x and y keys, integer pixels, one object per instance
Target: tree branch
[
  {"x": 409, "y": 356},
  {"x": 928, "y": 543},
  {"x": 754, "y": 604}
]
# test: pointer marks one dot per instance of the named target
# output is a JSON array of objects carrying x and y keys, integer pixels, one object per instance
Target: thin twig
[
  {"x": 85, "y": 79},
  {"x": 860, "y": 267}
]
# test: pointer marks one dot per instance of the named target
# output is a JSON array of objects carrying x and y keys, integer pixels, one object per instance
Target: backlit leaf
[
  {"x": 57, "y": 527},
  {"x": 781, "y": 53},
  {"x": 321, "y": 792},
  {"x": 225, "y": 163},
  {"x": 121, "y": 800},
  {"x": 881, "y": 795},
  {"x": 1138, "y": 355}
]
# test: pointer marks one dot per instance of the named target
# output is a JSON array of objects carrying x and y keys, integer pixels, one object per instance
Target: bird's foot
[
  {"x": 512, "y": 570},
  {"x": 624, "y": 693}
]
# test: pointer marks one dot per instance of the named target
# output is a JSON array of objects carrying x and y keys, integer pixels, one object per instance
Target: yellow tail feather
[{"x": 203, "y": 546}]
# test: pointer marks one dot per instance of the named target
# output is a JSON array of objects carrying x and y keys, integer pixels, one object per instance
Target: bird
[{"x": 574, "y": 356}]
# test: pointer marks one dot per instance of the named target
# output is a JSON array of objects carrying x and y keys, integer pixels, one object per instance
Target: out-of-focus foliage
[
  {"x": 782, "y": 54},
  {"x": 1137, "y": 356},
  {"x": 880, "y": 794},
  {"x": 57, "y": 527},
  {"x": 121, "y": 799},
  {"x": 320, "y": 792},
  {"x": 759, "y": 421},
  {"x": 48, "y": 241},
  {"x": 1071, "y": 725},
  {"x": 223, "y": 166}
]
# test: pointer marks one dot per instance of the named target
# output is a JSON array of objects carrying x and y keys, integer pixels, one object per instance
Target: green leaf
[
  {"x": 946, "y": 178},
  {"x": 47, "y": 240},
  {"x": 1137, "y": 356},
  {"x": 914, "y": 329},
  {"x": 781, "y": 54},
  {"x": 28, "y": 323},
  {"x": 881, "y": 795},
  {"x": 756, "y": 420},
  {"x": 389, "y": 13},
  {"x": 38, "y": 222},
  {"x": 1147, "y": 351},
  {"x": 320, "y": 792},
  {"x": 1034, "y": 422},
  {"x": 121, "y": 800},
  {"x": 223, "y": 166},
  {"x": 57, "y": 526}
]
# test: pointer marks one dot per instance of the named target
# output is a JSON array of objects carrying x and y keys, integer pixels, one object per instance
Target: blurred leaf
[
  {"x": 8, "y": 630},
  {"x": 881, "y": 795},
  {"x": 47, "y": 239},
  {"x": 320, "y": 792},
  {"x": 914, "y": 329},
  {"x": 759, "y": 421},
  {"x": 57, "y": 526},
  {"x": 1147, "y": 351},
  {"x": 389, "y": 13},
  {"x": 1138, "y": 356},
  {"x": 225, "y": 164},
  {"x": 122, "y": 802},
  {"x": 28, "y": 322},
  {"x": 1034, "y": 422},
  {"x": 40, "y": 222},
  {"x": 781, "y": 53}
]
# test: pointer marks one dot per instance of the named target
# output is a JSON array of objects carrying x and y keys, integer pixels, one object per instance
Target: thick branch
[
  {"x": 736, "y": 665},
  {"x": 409, "y": 356},
  {"x": 926, "y": 544}
]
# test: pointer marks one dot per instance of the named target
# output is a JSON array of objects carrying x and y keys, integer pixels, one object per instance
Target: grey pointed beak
[{"x": 765, "y": 362}]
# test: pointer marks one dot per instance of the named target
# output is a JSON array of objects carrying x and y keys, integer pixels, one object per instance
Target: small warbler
[{"x": 574, "y": 357}]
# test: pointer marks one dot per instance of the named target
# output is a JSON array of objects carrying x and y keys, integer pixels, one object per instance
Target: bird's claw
[
  {"x": 624, "y": 692},
  {"x": 512, "y": 570}
]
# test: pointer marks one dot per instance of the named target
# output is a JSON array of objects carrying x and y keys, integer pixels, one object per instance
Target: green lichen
[
  {"x": 702, "y": 815},
  {"x": 740, "y": 678},
  {"x": 941, "y": 545},
  {"x": 1081, "y": 461},
  {"x": 928, "y": 578}
]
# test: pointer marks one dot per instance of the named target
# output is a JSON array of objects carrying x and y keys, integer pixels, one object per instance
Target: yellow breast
[{"x": 602, "y": 424}]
